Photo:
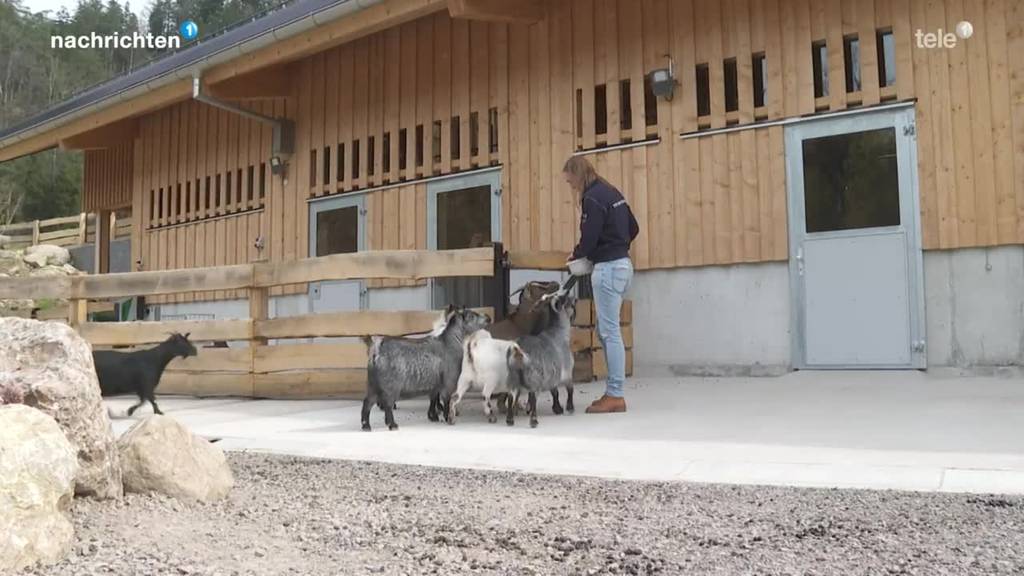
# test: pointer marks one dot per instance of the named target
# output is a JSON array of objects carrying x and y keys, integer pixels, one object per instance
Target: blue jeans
[{"x": 610, "y": 281}]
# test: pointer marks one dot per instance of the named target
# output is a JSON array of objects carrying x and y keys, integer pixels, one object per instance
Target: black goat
[{"x": 139, "y": 371}]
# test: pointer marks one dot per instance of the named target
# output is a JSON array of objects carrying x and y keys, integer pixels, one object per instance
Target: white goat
[{"x": 486, "y": 363}]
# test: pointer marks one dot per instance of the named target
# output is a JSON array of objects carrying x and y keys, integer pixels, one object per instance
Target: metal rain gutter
[{"x": 336, "y": 11}]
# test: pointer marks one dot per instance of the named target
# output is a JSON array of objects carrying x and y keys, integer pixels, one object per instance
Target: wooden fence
[
  {"x": 65, "y": 231},
  {"x": 263, "y": 369}
]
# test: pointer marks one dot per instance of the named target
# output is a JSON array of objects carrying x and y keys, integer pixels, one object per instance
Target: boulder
[
  {"x": 37, "y": 479},
  {"x": 46, "y": 255},
  {"x": 160, "y": 455},
  {"x": 11, "y": 263},
  {"x": 4, "y": 240},
  {"x": 52, "y": 367}
]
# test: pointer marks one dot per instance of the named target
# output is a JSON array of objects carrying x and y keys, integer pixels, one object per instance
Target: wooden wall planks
[{"x": 419, "y": 100}]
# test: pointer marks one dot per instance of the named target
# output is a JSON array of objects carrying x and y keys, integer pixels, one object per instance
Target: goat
[
  {"x": 486, "y": 364},
  {"x": 405, "y": 367},
  {"x": 530, "y": 318},
  {"x": 550, "y": 358},
  {"x": 139, "y": 371}
]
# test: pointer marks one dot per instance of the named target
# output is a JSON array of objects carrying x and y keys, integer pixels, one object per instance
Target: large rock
[
  {"x": 46, "y": 255},
  {"x": 37, "y": 478},
  {"x": 11, "y": 263},
  {"x": 51, "y": 365},
  {"x": 160, "y": 455},
  {"x": 4, "y": 240}
]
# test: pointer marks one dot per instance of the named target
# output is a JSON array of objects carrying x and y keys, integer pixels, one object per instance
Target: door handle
[{"x": 800, "y": 261}]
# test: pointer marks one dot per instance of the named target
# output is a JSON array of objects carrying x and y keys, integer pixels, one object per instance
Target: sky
[{"x": 54, "y": 6}]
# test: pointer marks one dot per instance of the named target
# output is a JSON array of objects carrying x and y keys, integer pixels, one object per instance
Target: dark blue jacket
[{"x": 607, "y": 226}]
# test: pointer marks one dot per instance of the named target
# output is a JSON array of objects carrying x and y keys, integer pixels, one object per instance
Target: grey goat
[
  {"x": 407, "y": 367},
  {"x": 550, "y": 357}
]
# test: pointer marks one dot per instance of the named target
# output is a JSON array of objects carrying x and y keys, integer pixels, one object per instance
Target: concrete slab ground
[{"x": 878, "y": 430}]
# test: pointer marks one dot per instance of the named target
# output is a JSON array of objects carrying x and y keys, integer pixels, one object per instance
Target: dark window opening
[
  {"x": 188, "y": 199},
  {"x": 177, "y": 201},
  {"x": 250, "y": 193},
  {"x": 206, "y": 194},
  {"x": 341, "y": 161},
  {"x": 732, "y": 94},
  {"x": 435, "y": 144},
  {"x": 385, "y": 145},
  {"x": 160, "y": 204},
  {"x": 419, "y": 145},
  {"x": 760, "y": 75},
  {"x": 152, "y": 204},
  {"x": 650, "y": 102},
  {"x": 355, "y": 160},
  {"x": 371, "y": 155},
  {"x": 601, "y": 108},
  {"x": 217, "y": 196},
  {"x": 403, "y": 143},
  {"x": 819, "y": 63},
  {"x": 312, "y": 169},
  {"x": 851, "y": 62},
  {"x": 327, "y": 165},
  {"x": 337, "y": 231},
  {"x": 886, "y": 58},
  {"x": 474, "y": 133},
  {"x": 238, "y": 186},
  {"x": 492, "y": 129},
  {"x": 456, "y": 138},
  {"x": 263, "y": 180},
  {"x": 703, "y": 82},
  {"x": 579, "y": 113},
  {"x": 625, "y": 106}
]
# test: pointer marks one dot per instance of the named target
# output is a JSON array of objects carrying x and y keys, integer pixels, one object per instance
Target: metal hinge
[
  {"x": 919, "y": 346},
  {"x": 498, "y": 191},
  {"x": 910, "y": 130},
  {"x": 362, "y": 211}
]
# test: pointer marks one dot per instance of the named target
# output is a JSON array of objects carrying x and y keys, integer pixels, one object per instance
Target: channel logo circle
[
  {"x": 964, "y": 30},
  {"x": 188, "y": 30}
]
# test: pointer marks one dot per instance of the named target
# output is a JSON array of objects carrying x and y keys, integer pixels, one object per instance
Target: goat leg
[
  {"x": 156, "y": 409},
  {"x": 368, "y": 403},
  {"x": 510, "y": 409},
  {"x": 568, "y": 399},
  {"x": 389, "y": 416},
  {"x": 136, "y": 406},
  {"x": 532, "y": 400},
  {"x": 556, "y": 406},
  {"x": 435, "y": 402}
]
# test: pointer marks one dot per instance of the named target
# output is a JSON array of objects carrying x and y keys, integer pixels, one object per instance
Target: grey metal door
[
  {"x": 855, "y": 245},
  {"x": 337, "y": 226},
  {"x": 463, "y": 212}
]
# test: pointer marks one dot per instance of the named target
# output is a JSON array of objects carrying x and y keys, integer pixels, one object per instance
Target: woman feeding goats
[{"x": 607, "y": 228}]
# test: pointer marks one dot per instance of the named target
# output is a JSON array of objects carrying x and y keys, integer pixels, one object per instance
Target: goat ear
[{"x": 187, "y": 334}]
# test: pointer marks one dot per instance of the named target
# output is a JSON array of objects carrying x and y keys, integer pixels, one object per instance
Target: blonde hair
[{"x": 580, "y": 173}]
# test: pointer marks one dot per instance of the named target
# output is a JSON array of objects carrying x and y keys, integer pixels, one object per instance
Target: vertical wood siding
[{"x": 440, "y": 96}]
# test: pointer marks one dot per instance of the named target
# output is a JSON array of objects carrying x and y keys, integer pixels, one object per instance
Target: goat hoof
[
  {"x": 366, "y": 427},
  {"x": 570, "y": 410},
  {"x": 533, "y": 423},
  {"x": 392, "y": 427},
  {"x": 492, "y": 418},
  {"x": 433, "y": 418},
  {"x": 557, "y": 409}
]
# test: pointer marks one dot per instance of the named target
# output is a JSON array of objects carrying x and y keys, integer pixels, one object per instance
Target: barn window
[
  {"x": 355, "y": 160},
  {"x": 492, "y": 125},
  {"x": 327, "y": 166},
  {"x": 579, "y": 113},
  {"x": 625, "y": 106},
  {"x": 371, "y": 155},
  {"x": 851, "y": 62},
  {"x": 152, "y": 204},
  {"x": 340, "y": 173},
  {"x": 456, "y": 138},
  {"x": 312, "y": 169},
  {"x": 474, "y": 133},
  {"x": 760, "y": 66},
  {"x": 403, "y": 142},
  {"x": 385, "y": 145},
  {"x": 263, "y": 179},
  {"x": 188, "y": 199},
  {"x": 732, "y": 94},
  {"x": 206, "y": 194},
  {"x": 702, "y": 81},
  {"x": 217, "y": 195},
  {"x": 819, "y": 63},
  {"x": 419, "y": 144},
  {"x": 177, "y": 200},
  {"x": 650, "y": 102},
  {"x": 250, "y": 193},
  {"x": 886, "y": 58},
  {"x": 601, "y": 108},
  {"x": 238, "y": 186},
  {"x": 435, "y": 144}
]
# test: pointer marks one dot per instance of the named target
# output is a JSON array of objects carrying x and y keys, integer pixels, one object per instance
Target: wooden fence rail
[{"x": 63, "y": 231}]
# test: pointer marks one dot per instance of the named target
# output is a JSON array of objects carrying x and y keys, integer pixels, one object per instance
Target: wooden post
[
  {"x": 102, "y": 246},
  {"x": 259, "y": 309},
  {"x": 82, "y": 227},
  {"x": 35, "y": 232},
  {"x": 77, "y": 310}
]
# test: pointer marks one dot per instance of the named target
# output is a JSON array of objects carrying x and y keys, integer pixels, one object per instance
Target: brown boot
[{"x": 607, "y": 405}]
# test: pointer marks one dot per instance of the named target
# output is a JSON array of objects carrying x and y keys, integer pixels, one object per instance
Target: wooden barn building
[{"x": 820, "y": 183}]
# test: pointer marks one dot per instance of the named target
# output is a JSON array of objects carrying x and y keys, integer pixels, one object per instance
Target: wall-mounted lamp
[{"x": 663, "y": 80}]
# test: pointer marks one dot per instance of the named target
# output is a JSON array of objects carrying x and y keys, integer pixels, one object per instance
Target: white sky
[{"x": 54, "y": 6}]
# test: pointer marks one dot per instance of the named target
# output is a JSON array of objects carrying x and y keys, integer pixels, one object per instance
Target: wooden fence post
[
  {"x": 82, "y": 225},
  {"x": 35, "y": 232},
  {"x": 259, "y": 309},
  {"x": 77, "y": 310}
]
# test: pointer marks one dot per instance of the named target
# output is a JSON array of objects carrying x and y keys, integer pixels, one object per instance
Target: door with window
[
  {"x": 855, "y": 247},
  {"x": 337, "y": 226},
  {"x": 463, "y": 212}
]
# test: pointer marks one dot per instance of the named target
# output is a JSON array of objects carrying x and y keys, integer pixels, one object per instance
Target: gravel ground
[{"x": 311, "y": 517}]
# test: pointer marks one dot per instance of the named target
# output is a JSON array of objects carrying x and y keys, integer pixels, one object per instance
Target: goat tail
[
  {"x": 372, "y": 347},
  {"x": 516, "y": 358}
]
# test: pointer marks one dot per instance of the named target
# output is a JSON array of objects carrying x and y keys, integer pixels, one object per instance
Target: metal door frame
[
  {"x": 357, "y": 200},
  {"x": 902, "y": 120},
  {"x": 486, "y": 177}
]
